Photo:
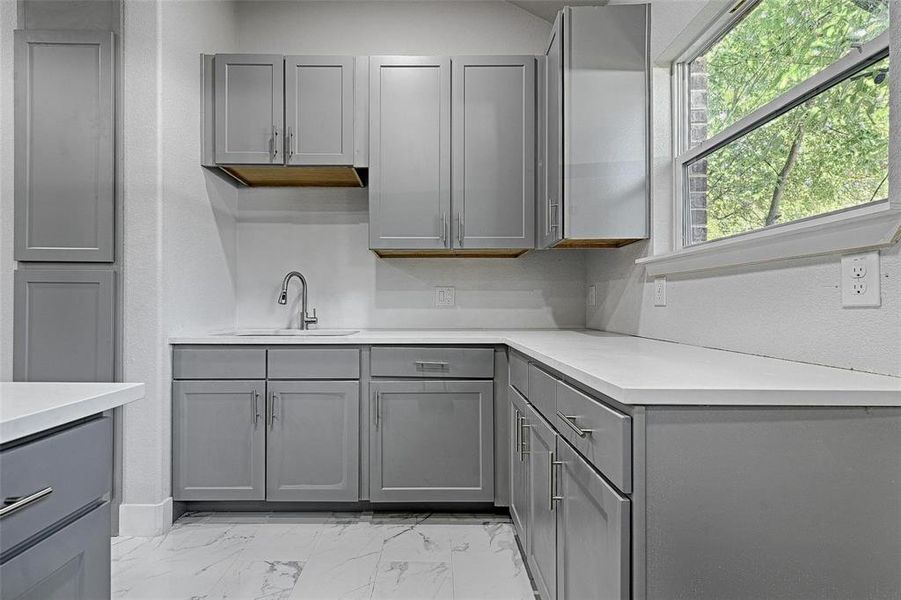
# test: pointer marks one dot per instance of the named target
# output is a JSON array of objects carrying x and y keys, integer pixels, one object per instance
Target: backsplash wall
[{"x": 325, "y": 235}]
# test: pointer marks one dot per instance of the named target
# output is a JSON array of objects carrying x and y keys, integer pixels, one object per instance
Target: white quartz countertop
[
  {"x": 633, "y": 370},
  {"x": 27, "y": 408}
]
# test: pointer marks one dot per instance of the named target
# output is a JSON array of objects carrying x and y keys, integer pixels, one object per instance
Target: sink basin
[{"x": 292, "y": 332}]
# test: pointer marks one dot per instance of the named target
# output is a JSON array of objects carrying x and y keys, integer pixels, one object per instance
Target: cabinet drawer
[
  {"x": 606, "y": 434},
  {"x": 519, "y": 373},
  {"x": 75, "y": 463},
  {"x": 214, "y": 362},
  {"x": 396, "y": 361},
  {"x": 314, "y": 363},
  {"x": 542, "y": 392},
  {"x": 73, "y": 563}
]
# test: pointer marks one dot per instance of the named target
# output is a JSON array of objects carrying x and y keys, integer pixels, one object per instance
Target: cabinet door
[
  {"x": 542, "y": 548},
  {"x": 63, "y": 327},
  {"x": 64, "y": 146},
  {"x": 409, "y": 152},
  {"x": 71, "y": 564},
  {"x": 249, "y": 108},
  {"x": 593, "y": 532},
  {"x": 519, "y": 467},
  {"x": 313, "y": 441},
  {"x": 550, "y": 189},
  {"x": 319, "y": 110},
  {"x": 494, "y": 151},
  {"x": 218, "y": 440},
  {"x": 432, "y": 441}
]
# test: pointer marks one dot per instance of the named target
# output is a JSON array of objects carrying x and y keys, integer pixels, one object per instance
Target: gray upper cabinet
[
  {"x": 594, "y": 186},
  {"x": 249, "y": 92},
  {"x": 409, "y": 152},
  {"x": 541, "y": 552},
  {"x": 593, "y": 533},
  {"x": 550, "y": 155},
  {"x": 219, "y": 440},
  {"x": 493, "y": 151},
  {"x": 64, "y": 146},
  {"x": 63, "y": 328},
  {"x": 319, "y": 110},
  {"x": 431, "y": 441},
  {"x": 313, "y": 441}
]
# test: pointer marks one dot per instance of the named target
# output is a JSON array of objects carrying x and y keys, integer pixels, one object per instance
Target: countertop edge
[
  {"x": 629, "y": 396},
  {"x": 36, "y": 422}
]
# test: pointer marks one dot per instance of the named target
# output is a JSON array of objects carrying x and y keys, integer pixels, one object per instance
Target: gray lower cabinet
[
  {"x": 219, "y": 440},
  {"x": 319, "y": 110},
  {"x": 64, "y": 323},
  {"x": 541, "y": 550},
  {"x": 593, "y": 532},
  {"x": 519, "y": 468},
  {"x": 493, "y": 151},
  {"x": 249, "y": 92},
  {"x": 409, "y": 152},
  {"x": 71, "y": 564},
  {"x": 313, "y": 441},
  {"x": 64, "y": 146},
  {"x": 431, "y": 441}
]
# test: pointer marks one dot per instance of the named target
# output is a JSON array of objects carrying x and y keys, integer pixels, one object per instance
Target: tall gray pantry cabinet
[{"x": 65, "y": 205}]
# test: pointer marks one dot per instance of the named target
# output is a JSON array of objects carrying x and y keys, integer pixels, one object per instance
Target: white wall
[
  {"x": 8, "y": 20},
  {"x": 790, "y": 309},
  {"x": 179, "y": 263},
  {"x": 324, "y": 233}
]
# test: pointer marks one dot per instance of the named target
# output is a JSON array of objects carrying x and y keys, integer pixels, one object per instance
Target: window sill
[{"x": 867, "y": 227}]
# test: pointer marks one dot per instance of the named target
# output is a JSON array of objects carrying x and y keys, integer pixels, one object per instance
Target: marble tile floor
[{"x": 324, "y": 556}]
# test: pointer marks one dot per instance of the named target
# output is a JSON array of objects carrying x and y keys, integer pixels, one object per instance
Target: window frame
[{"x": 785, "y": 240}]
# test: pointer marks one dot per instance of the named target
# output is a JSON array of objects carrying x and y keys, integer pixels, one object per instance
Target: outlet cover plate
[
  {"x": 660, "y": 291},
  {"x": 444, "y": 296},
  {"x": 861, "y": 280}
]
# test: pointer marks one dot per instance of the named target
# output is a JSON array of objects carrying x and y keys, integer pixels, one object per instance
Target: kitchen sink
[{"x": 292, "y": 332}]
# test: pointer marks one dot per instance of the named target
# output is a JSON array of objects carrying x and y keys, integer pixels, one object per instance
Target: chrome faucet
[{"x": 305, "y": 319}]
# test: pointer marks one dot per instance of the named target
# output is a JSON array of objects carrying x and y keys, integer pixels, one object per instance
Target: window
[{"x": 786, "y": 116}]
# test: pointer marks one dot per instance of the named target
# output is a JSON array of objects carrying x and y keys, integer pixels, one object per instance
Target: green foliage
[{"x": 827, "y": 154}]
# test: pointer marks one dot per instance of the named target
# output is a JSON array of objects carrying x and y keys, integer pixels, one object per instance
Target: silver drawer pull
[
  {"x": 571, "y": 421},
  {"x": 427, "y": 364},
  {"x": 18, "y": 503}
]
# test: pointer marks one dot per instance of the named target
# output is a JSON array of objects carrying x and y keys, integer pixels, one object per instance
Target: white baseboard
[{"x": 145, "y": 520}]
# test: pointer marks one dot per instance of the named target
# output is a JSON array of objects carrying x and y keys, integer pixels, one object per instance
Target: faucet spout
[{"x": 305, "y": 318}]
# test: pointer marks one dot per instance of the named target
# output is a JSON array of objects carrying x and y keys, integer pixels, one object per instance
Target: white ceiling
[{"x": 547, "y": 9}]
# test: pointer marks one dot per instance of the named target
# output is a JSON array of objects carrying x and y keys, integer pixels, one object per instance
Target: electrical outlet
[
  {"x": 444, "y": 296},
  {"x": 660, "y": 291},
  {"x": 592, "y": 296},
  {"x": 860, "y": 283}
]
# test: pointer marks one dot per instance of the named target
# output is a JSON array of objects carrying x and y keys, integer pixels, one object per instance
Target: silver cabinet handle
[
  {"x": 444, "y": 226},
  {"x": 517, "y": 432},
  {"x": 289, "y": 143},
  {"x": 460, "y": 220},
  {"x": 437, "y": 365},
  {"x": 274, "y": 143},
  {"x": 378, "y": 409},
  {"x": 553, "y": 215},
  {"x": 257, "y": 414},
  {"x": 571, "y": 421},
  {"x": 14, "y": 504},
  {"x": 552, "y": 481},
  {"x": 523, "y": 444},
  {"x": 273, "y": 413}
]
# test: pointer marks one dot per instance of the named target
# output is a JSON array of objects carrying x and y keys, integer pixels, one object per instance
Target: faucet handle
[{"x": 311, "y": 320}]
